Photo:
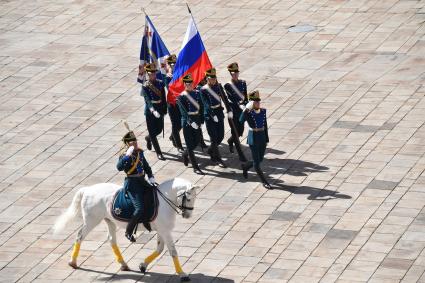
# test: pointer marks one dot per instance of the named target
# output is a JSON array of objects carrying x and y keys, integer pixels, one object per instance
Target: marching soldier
[
  {"x": 213, "y": 114},
  {"x": 258, "y": 136},
  {"x": 237, "y": 95},
  {"x": 190, "y": 105},
  {"x": 155, "y": 108},
  {"x": 173, "y": 110},
  {"x": 135, "y": 165}
]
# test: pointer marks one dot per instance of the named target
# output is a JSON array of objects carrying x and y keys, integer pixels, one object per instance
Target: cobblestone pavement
[{"x": 346, "y": 156}]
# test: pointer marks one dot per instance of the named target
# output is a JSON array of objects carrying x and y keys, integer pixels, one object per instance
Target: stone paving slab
[{"x": 346, "y": 154}]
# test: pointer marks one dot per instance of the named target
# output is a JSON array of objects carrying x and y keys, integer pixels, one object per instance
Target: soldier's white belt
[
  {"x": 156, "y": 101},
  {"x": 193, "y": 113},
  {"x": 256, "y": 129},
  {"x": 215, "y": 106}
]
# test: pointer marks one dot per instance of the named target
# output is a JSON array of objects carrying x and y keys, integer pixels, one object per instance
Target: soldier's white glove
[
  {"x": 152, "y": 180},
  {"x": 194, "y": 125},
  {"x": 156, "y": 114},
  {"x": 215, "y": 118},
  {"x": 129, "y": 151},
  {"x": 230, "y": 115},
  {"x": 242, "y": 107},
  {"x": 250, "y": 105}
]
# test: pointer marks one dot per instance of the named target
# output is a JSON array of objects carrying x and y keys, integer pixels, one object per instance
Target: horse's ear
[{"x": 197, "y": 186}]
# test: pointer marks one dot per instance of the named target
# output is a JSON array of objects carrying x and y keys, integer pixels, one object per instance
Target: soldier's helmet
[
  {"x": 211, "y": 73},
  {"x": 172, "y": 59},
  {"x": 150, "y": 68},
  {"x": 233, "y": 67},
  {"x": 188, "y": 78},
  {"x": 254, "y": 96}
]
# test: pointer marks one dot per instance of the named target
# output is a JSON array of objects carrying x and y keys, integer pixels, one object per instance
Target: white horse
[{"x": 94, "y": 203}]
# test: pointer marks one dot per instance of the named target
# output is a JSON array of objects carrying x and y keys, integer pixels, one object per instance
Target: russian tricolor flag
[{"x": 193, "y": 58}]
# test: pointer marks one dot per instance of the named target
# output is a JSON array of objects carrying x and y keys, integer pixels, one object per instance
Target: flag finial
[
  {"x": 190, "y": 12},
  {"x": 143, "y": 10}
]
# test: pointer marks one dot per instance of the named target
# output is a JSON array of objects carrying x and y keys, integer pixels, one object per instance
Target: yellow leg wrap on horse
[
  {"x": 150, "y": 258},
  {"x": 177, "y": 265},
  {"x": 75, "y": 251},
  {"x": 117, "y": 253}
]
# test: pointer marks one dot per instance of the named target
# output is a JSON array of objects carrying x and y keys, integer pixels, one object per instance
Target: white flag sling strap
[
  {"x": 212, "y": 92},
  {"x": 237, "y": 91},
  {"x": 191, "y": 100}
]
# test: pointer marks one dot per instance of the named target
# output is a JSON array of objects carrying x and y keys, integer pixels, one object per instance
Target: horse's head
[{"x": 186, "y": 200}]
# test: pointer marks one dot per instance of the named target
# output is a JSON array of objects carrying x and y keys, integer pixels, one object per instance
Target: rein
[{"x": 177, "y": 208}]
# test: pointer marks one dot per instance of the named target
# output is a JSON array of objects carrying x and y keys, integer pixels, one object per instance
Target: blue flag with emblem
[{"x": 152, "y": 50}]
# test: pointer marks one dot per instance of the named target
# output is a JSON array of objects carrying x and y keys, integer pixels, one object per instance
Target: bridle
[{"x": 179, "y": 209}]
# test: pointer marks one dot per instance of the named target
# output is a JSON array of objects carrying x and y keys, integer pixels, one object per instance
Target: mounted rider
[{"x": 135, "y": 165}]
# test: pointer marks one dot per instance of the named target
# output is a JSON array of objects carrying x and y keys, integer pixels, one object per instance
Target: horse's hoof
[
  {"x": 185, "y": 279},
  {"x": 73, "y": 264},
  {"x": 142, "y": 268},
  {"x": 124, "y": 268}
]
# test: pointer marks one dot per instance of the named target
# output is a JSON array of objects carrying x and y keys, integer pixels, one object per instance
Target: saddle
[{"x": 122, "y": 208}]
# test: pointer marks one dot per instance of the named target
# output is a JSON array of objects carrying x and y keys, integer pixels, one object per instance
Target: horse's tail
[{"x": 71, "y": 212}]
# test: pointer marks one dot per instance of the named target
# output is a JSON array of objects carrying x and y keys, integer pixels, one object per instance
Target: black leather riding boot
[
  {"x": 230, "y": 142},
  {"x": 202, "y": 141},
  {"x": 194, "y": 162},
  {"x": 178, "y": 142},
  {"x": 158, "y": 151},
  {"x": 185, "y": 157},
  {"x": 262, "y": 178},
  {"x": 148, "y": 142},
  {"x": 245, "y": 167},
  {"x": 218, "y": 157},
  {"x": 171, "y": 138},
  {"x": 131, "y": 226}
]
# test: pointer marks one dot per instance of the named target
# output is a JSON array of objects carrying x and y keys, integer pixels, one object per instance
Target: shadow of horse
[{"x": 151, "y": 277}]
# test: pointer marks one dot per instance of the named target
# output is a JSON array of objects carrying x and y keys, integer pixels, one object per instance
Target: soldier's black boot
[
  {"x": 185, "y": 157},
  {"x": 220, "y": 161},
  {"x": 211, "y": 152},
  {"x": 202, "y": 142},
  {"x": 171, "y": 138},
  {"x": 158, "y": 151},
  {"x": 178, "y": 142},
  {"x": 129, "y": 231},
  {"x": 245, "y": 167},
  {"x": 194, "y": 162},
  {"x": 262, "y": 178},
  {"x": 230, "y": 142},
  {"x": 148, "y": 142}
]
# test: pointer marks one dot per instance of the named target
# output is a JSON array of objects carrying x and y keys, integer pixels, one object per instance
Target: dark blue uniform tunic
[
  {"x": 236, "y": 101},
  {"x": 190, "y": 113},
  {"x": 135, "y": 182},
  {"x": 258, "y": 136},
  {"x": 158, "y": 102},
  {"x": 212, "y": 107}
]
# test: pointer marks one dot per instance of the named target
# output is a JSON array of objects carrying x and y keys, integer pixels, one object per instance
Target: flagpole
[
  {"x": 190, "y": 12},
  {"x": 143, "y": 10}
]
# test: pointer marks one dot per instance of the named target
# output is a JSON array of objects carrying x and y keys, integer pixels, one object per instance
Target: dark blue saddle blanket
[{"x": 122, "y": 208}]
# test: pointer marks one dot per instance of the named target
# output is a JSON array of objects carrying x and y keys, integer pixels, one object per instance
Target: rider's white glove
[
  {"x": 156, "y": 114},
  {"x": 215, "y": 118},
  {"x": 230, "y": 115},
  {"x": 242, "y": 107},
  {"x": 129, "y": 151},
  {"x": 250, "y": 105},
  {"x": 194, "y": 125},
  {"x": 152, "y": 180}
]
